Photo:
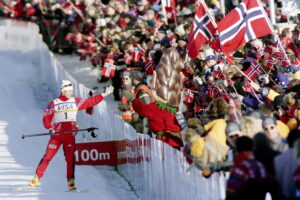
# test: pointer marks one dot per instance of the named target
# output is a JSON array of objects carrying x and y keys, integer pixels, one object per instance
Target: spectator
[
  {"x": 285, "y": 165},
  {"x": 271, "y": 131},
  {"x": 233, "y": 132},
  {"x": 247, "y": 176}
]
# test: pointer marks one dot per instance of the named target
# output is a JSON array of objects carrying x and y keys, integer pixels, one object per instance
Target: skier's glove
[
  {"x": 107, "y": 91},
  {"x": 51, "y": 132}
]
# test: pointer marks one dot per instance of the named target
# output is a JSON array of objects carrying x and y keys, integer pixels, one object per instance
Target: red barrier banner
[
  {"x": 112, "y": 152},
  {"x": 132, "y": 151}
]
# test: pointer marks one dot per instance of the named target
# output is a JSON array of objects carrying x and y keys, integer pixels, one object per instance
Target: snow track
[{"x": 23, "y": 95}]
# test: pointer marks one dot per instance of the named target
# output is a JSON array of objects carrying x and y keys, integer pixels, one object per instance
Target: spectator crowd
[{"x": 238, "y": 113}]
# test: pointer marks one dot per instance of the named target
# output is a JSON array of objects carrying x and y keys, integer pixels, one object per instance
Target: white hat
[
  {"x": 257, "y": 43},
  {"x": 66, "y": 85},
  {"x": 208, "y": 52}
]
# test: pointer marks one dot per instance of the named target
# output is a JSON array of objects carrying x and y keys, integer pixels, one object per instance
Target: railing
[{"x": 155, "y": 170}]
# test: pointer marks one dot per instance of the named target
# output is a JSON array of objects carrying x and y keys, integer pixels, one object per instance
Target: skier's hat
[{"x": 66, "y": 85}]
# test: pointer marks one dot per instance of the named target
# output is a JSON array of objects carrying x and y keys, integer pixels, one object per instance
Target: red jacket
[
  {"x": 65, "y": 126},
  {"x": 293, "y": 47},
  {"x": 159, "y": 120}
]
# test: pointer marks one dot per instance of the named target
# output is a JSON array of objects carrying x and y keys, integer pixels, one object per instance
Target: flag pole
[
  {"x": 208, "y": 13},
  {"x": 164, "y": 12},
  {"x": 272, "y": 28}
]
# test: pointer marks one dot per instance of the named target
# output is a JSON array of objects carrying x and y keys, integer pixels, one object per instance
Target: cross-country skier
[{"x": 60, "y": 115}]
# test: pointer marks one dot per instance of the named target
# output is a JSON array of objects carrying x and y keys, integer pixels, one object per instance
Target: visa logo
[{"x": 65, "y": 107}]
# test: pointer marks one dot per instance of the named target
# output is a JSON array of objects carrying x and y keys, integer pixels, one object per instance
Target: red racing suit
[{"x": 60, "y": 115}]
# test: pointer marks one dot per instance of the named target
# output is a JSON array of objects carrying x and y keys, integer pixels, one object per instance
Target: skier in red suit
[{"x": 60, "y": 115}]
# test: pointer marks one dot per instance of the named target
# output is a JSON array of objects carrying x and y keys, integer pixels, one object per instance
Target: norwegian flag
[
  {"x": 270, "y": 62},
  {"x": 109, "y": 68},
  {"x": 218, "y": 73},
  {"x": 212, "y": 91},
  {"x": 149, "y": 66},
  {"x": 90, "y": 37},
  {"x": 202, "y": 32},
  {"x": 189, "y": 95},
  {"x": 172, "y": 40},
  {"x": 127, "y": 58},
  {"x": 296, "y": 62},
  {"x": 78, "y": 38},
  {"x": 90, "y": 47},
  {"x": 254, "y": 70},
  {"x": 247, "y": 86},
  {"x": 259, "y": 53},
  {"x": 281, "y": 58},
  {"x": 243, "y": 24},
  {"x": 137, "y": 53},
  {"x": 169, "y": 4}
]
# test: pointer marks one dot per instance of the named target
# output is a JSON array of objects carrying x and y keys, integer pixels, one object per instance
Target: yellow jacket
[
  {"x": 197, "y": 147},
  {"x": 216, "y": 129},
  {"x": 283, "y": 129},
  {"x": 272, "y": 94}
]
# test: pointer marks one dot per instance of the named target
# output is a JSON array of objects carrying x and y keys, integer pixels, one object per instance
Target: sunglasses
[
  {"x": 234, "y": 136},
  {"x": 66, "y": 86},
  {"x": 269, "y": 128}
]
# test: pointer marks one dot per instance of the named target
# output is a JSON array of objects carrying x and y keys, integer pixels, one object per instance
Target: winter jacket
[
  {"x": 285, "y": 165},
  {"x": 279, "y": 145},
  {"x": 247, "y": 177},
  {"x": 283, "y": 129},
  {"x": 215, "y": 148},
  {"x": 143, "y": 93}
]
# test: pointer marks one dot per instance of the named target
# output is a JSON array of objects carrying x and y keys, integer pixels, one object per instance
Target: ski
[
  {"x": 77, "y": 190},
  {"x": 26, "y": 188}
]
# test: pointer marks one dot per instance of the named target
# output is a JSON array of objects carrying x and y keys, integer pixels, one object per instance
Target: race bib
[{"x": 65, "y": 111}]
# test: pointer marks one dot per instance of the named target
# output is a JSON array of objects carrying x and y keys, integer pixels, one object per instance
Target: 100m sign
[{"x": 91, "y": 155}]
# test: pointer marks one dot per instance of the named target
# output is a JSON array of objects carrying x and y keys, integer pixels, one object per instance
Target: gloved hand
[
  {"x": 93, "y": 134},
  {"x": 264, "y": 91},
  {"x": 107, "y": 91},
  {"x": 123, "y": 108},
  {"x": 198, "y": 163},
  {"x": 129, "y": 95},
  {"x": 51, "y": 132},
  {"x": 135, "y": 117}
]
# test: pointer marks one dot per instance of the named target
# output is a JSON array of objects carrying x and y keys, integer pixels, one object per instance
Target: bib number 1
[{"x": 66, "y": 115}]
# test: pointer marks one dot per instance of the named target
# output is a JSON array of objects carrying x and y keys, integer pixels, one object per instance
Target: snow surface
[{"x": 23, "y": 97}]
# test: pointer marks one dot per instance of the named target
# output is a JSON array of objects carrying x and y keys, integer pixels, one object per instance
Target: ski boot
[
  {"x": 35, "y": 181},
  {"x": 71, "y": 185}
]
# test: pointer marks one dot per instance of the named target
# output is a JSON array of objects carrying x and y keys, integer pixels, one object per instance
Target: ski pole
[{"x": 70, "y": 131}]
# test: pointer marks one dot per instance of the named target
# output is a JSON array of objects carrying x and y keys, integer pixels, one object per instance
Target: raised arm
[{"x": 83, "y": 104}]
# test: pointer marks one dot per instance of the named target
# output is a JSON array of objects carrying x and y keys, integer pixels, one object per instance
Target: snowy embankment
[{"x": 23, "y": 95}]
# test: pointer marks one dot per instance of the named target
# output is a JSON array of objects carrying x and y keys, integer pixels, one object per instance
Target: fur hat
[
  {"x": 137, "y": 75},
  {"x": 190, "y": 135},
  {"x": 217, "y": 107},
  {"x": 232, "y": 127}
]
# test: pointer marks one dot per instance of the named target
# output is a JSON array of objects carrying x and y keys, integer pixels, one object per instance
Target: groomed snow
[{"x": 23, "y": 95}]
